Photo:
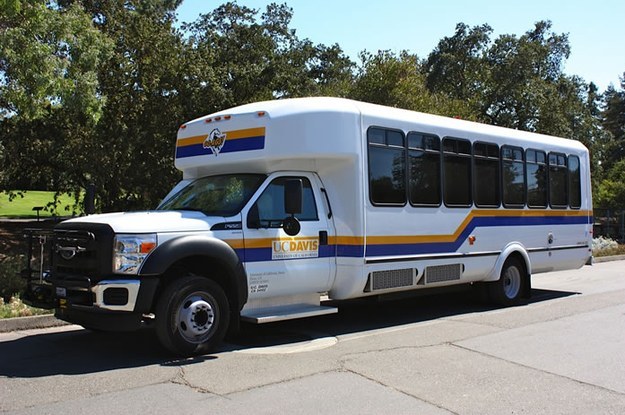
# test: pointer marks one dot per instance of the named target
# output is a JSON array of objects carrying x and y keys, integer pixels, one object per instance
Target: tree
[
  {"x": 614, "y": 124},
  {"x": 398, "y": 81},
  {"x": 525, "y": 78},
  {"x": 456, "y": 66},
  {"x": 256, "y": 59},
  {"x": 49, "y": 91},
  {"x": 610, "y": 192},
  {"x": 49, "y": 58}
]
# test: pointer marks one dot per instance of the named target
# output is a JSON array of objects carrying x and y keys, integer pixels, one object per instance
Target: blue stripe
[
  {"x": 358, "y": 251},
  {"x": 477, "y": 222},
  {"x": 230, "y": 146}
]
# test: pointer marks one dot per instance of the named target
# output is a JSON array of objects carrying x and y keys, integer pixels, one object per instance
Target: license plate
[{"x": 61, "y": 292}]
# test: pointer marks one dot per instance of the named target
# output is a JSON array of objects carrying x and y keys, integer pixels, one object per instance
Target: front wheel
[
  {"x": 192, "y": 316},
  {"x": 508, "y": 289}
]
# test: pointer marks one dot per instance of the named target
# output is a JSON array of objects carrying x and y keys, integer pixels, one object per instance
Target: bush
[
  {"x": 16, "y": 308},
  {"x": 11, "y": 283},
  {"x": 605, "y": 246}
]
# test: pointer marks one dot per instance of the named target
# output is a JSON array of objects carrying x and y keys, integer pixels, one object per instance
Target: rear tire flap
[
  {"x": 192, "y": 315},
  {"x": 512, "y": 284}
]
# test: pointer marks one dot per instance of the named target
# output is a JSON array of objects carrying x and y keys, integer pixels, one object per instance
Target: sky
[{"x": 596, "y": 29}]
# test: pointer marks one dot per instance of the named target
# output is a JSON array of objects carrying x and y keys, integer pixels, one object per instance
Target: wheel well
[
  {"x": 202, "y": 266},
  {"x": 527, "y": 281}
]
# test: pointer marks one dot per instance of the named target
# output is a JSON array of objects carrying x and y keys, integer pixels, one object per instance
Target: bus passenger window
[
  {"x": 557, "y": 180},
  {"x": 486, "y": 168},
  {"x": 457, "y": 172},
  {"x": 513, "y": 175},
  {"x": 387, "y": 167},
  {"x": 536, "y": 172},
  {"x": 424, "y": 169},
  {"x": 575, "y": 183}
]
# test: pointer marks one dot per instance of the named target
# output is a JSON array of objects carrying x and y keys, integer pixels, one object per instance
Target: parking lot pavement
[{"x": 560, "y": 353}]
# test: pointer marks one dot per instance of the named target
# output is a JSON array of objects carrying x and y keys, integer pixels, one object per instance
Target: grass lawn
[{"x": 22, "y": 207}]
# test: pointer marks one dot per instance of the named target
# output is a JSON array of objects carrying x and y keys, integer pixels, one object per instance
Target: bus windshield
[{"x": 223, "y": 195}]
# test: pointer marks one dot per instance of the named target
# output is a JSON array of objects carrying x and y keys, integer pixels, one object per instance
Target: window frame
[
  {"x": 546, "y": 174},
  {"x": 566, "y": 179},
  {"x": 579, "y": 177},
  {"x": 425, "y": 152},
  {"x": 444, "y": 170},
  {"x": 503, "y": 184},
  {"x": 369, "y": 164},
  {"x": 475, "y": 178}
]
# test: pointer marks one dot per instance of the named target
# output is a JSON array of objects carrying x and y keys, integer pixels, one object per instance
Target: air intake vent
[
  {"x": 441, "y": 273},
  {"x": 383, "y": 280},
  {"x": 115, "y": 296}
]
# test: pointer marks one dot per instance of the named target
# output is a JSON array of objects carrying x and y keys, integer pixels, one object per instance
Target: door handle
[{"x": 323, "y": 237}]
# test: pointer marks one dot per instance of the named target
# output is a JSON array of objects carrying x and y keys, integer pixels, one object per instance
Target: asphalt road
[{"x": 562, "y": 353}]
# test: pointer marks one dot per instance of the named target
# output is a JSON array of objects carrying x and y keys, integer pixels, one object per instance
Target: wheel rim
[
  {"x": 512, "y": 282},
  {"x": 195, "y": 318}
]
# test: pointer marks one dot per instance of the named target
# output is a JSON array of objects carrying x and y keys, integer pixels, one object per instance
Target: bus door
[{"x": 281, "y": 265}]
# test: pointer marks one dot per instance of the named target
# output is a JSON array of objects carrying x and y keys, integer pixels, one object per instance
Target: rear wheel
[
  {"x": 508, "y": 289},
  {"x": 192, "y": 316}
]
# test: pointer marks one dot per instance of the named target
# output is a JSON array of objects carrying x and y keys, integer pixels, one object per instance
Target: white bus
[{"x": 284, "y": 201}]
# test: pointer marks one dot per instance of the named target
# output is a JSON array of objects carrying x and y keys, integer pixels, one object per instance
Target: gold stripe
[
  {"x": 410, "y": 239},
  {"x": 230, "y": 135}
]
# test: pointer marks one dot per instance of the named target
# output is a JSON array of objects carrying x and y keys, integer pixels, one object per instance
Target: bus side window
[
  {"x": 575, "y": 183},
  {"x": 558, "y": 196},
  {"x": 457, "y": 172},
  {"x": 486, "y": 169},
  {"x": 536, "y": 173},
  {"x": 424, "y": 169},
  {"x": 387, "y": 167},
  {"x": 513, "y": 175}
]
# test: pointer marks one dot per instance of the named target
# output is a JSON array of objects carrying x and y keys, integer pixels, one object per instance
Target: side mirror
[{"x": 293, "y": 190}]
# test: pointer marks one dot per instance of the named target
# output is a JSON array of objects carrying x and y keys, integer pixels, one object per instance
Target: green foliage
[
  {"x": 610, "y": 192},
  {"x": 11, "y": 283},
  {"x": 49, "y": 59},
  {"x": 93, "y": 91},
  {"x": 398, "y": 81}
]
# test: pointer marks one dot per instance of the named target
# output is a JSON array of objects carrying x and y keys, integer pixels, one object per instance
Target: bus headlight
[{"x": 129, "y": 251}]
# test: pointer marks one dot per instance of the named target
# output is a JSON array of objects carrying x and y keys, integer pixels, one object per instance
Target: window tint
[
  {"x": 424, "y": 166},
  {"x": 457, "y": 172},
  {"x": 270, "y": 205},
  {"x": 557, "y": 180},
  {"x": 513, "y": 176},
  {"x": 486, "y": 168},
  {"x": 575, "y": 183},
  {"x": 387, "y": 167}
]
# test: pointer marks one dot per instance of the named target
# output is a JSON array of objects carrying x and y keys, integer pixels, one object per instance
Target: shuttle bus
[{"x": 285, "y": 201}]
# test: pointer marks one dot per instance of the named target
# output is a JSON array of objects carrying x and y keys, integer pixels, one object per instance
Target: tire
[
  {"x": 508, "y": 290},
  {"x": 192, "y": 316}
]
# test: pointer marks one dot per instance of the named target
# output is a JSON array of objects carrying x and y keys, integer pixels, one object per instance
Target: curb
[
  {"x": 29, "y": 323},
  {"x": 608, "y": 258},
  {"x": 48, "y": 320}
]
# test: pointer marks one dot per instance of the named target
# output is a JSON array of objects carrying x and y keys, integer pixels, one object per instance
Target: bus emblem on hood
[{"x": 215, "y": 141}]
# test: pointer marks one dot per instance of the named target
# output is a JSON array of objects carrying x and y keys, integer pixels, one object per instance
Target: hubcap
[
  {"x": 195, "y": 318},
  {"x": 512, "y": 282}
]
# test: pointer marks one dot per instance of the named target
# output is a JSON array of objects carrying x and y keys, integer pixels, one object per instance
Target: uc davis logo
[
  {"x": 294, "y": 249},
  {"x": 215, "y": 141}
]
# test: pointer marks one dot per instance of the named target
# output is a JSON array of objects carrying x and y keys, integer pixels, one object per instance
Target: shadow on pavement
[{"x": 83, "y": 351}]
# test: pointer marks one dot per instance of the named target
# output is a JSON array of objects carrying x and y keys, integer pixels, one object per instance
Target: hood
[{"x": 153, "y": 221}]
